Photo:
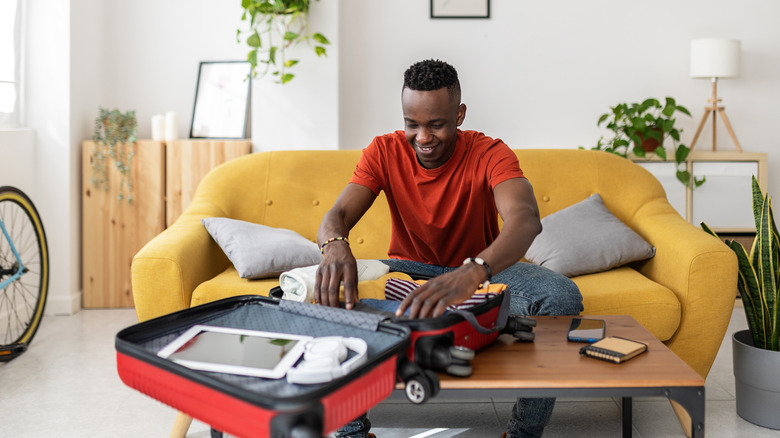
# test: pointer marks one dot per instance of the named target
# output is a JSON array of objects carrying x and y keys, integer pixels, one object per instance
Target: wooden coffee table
[{"x": 552, "y": 367}]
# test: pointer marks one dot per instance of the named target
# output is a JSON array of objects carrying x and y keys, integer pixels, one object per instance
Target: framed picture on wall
[
  {"x": 221, "y": 100},
  {"x": 460, "y": 8}
]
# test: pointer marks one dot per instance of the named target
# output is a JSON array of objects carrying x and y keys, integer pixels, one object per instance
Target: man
[{"x": 445, "y": 189}]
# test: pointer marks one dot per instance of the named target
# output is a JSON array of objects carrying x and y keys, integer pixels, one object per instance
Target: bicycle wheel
[{"x": 24, "y": 272}]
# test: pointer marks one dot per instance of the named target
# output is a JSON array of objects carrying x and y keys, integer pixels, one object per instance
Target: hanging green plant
[
  {"x": 274, "y": 26},
  {"x": 114, "y": 140}
]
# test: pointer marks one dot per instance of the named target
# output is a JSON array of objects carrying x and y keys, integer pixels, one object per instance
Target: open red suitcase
[
  {"x": 449, "y": 342},
  {"x": 257, "y": 407}
]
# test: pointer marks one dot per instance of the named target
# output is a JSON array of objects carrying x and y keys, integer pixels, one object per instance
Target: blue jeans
[{"x": 534, "y": 290}]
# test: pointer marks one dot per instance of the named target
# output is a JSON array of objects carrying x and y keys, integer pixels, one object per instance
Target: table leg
[
  {"x": 692, "y": 399},
  {"x": 627, "y": 417}
]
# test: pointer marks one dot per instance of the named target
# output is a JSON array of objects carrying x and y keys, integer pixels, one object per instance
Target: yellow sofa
[{"x": 684, "y": 295}]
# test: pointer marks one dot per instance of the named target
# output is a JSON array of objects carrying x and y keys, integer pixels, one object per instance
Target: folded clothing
[
  {"x": 396, "y": 289},
  {"x": 298, "y": 284}
]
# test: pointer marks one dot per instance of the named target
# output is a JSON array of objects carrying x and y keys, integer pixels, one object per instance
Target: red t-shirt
[{"x": 440, "y": 216}]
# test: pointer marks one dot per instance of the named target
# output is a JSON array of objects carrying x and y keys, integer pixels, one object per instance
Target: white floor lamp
[{"x": 715, "y": 58}]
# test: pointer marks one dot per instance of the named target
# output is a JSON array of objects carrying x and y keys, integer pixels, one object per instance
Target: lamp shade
[{"x": 715, "y": 58}]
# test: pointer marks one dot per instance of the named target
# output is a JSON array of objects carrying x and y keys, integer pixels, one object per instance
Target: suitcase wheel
[
  {"x": 463, "y": 353},
  {"x": 459, "y": 370},
  {"x": 521, "y": 328},
  {"x": 524, "y": 336},
  {"x": 434, "y": 381},
  {"x": 422, "y": 386},
  {"x": 438, "y": 353},
  {"x": 524, "y": 320}
]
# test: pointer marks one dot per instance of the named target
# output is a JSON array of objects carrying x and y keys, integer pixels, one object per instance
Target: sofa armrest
[
  {"x": 168, "y": 268},
  {"x": 700, "y": 270}
]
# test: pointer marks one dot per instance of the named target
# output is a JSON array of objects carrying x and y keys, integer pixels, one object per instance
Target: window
[{"x": 10, "y": 48}]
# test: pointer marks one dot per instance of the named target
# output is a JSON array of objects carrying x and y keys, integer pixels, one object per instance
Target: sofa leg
[
  {"x": 683, "y": 417},
  {"x": 181, "y": 425}
]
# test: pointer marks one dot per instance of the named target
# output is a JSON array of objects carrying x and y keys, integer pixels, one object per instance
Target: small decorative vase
[{"x": 757, "y": 381}]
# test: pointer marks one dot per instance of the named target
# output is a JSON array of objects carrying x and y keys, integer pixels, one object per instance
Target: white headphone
[{"x": 323, "y": 357}]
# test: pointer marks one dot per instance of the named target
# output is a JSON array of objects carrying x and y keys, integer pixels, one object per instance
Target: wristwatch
[{"x": 481, "y": 262}]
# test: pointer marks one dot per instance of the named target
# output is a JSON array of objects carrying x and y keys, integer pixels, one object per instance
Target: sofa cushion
[
  {"x": 229, "y": 284},
  {"x": 585, "y": 238},
  {"x": 259, "y": 251},
  {"x": 621, "y": 291},
  {"x": 624, "y": 291}
]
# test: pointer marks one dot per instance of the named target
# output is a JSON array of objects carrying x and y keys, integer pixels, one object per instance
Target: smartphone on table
[{"x": 586, "y": 330}]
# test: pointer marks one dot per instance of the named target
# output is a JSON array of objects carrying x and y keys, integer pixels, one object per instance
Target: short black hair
[{"x": 432, "y": 75}]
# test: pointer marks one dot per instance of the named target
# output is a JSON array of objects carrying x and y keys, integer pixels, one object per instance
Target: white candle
[
  {"x": 171, "y": 126},
  {"x": 158, "y": 127}
]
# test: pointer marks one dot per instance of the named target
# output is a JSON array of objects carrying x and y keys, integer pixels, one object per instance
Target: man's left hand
[{"x": 433, "y": 297}]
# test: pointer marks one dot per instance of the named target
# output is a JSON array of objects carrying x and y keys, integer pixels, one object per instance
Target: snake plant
[{"x": 759, "y": 274}]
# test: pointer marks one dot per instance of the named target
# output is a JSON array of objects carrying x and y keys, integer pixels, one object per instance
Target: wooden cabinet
[
  {"x": 165, "y": 176},
  {"x": 112, "y": 231},
  {"x": 724, "y": 201},
  {"x": 187, "y": 162}
]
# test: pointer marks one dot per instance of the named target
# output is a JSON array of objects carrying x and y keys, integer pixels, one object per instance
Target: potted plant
[
  {"x": 114, "y": 136},
  {"x": 642, "y": 128},
  {"x": 274, "y": 26},
  {"x": 757, "y": 350}
]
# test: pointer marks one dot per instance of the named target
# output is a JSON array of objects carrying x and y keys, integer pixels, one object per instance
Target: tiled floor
[{"x": 66, "y": 386}]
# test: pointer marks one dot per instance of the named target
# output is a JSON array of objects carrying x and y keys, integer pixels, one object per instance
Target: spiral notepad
[{"x": 614, "y": 349}]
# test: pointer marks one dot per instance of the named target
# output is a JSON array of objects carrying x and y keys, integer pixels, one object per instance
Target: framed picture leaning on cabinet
[{"x": 221, "y": 100}]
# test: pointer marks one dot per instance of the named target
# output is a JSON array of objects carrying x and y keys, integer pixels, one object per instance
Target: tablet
[{"x": 236, "y": 351}]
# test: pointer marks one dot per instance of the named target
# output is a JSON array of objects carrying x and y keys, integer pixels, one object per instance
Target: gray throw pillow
[
  {"x": 259, "y": 251},
  {"x": 585, "y": 238}
]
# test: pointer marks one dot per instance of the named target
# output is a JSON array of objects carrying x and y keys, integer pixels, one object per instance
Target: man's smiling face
[{"x": 431, "y": 120}]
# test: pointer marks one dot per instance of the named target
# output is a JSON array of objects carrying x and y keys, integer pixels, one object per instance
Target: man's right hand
[{"x": 338, "y": 265}]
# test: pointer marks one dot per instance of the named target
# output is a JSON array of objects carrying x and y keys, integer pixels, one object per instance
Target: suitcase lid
[{"x": 385, "y": 340}]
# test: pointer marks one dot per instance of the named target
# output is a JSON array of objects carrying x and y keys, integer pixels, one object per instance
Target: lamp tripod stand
[{"x": 714, "y": 109}]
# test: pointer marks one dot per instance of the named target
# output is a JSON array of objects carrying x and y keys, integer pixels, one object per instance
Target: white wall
[
  {"x": 304, "y": 113},
  {"x": 19, "y": 144},
  {"x": 152, "y": 51},
  {"x": 536, "y": 74},
  {"x": 539, "y": 74},
  {"x": 47, "y": 86}
]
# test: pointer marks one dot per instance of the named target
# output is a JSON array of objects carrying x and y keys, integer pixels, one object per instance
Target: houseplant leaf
[
  {"x": 759, "y": 273},
  {"x": 765, "y": 262},
  {"x": 254, "y": 40},
  {"x": 320, "y": 38}
]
